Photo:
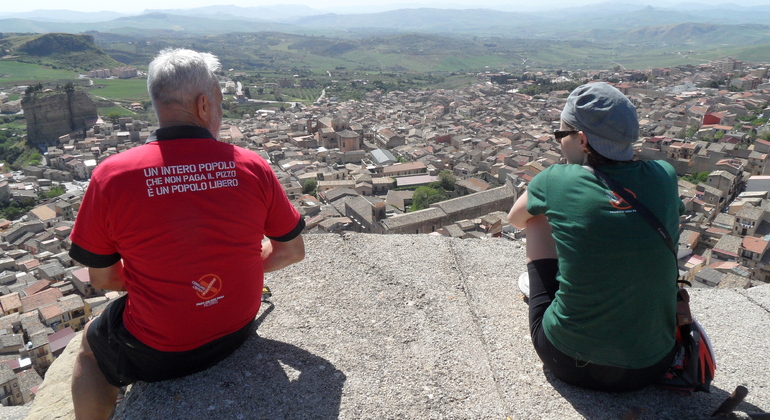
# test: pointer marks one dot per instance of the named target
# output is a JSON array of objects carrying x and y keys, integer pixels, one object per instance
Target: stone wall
[{"x": 51, "y": 115}]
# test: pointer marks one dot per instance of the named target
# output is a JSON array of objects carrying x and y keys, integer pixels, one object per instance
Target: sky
[{"x": 138, "y": 6}]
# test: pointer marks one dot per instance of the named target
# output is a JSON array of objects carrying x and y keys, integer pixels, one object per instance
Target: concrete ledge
[{"x": 416, "y": 326}]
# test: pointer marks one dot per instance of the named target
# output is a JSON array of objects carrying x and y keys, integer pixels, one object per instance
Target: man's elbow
[
  {"x": 295, "y": 256},
  {"x": 297, "y": 251}
]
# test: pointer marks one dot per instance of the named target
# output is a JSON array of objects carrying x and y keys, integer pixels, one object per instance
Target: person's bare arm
[
  {"x": 519, "y": 215},
  {"x": 277, "y": 255},
  {"x": 108, "y": 278}
]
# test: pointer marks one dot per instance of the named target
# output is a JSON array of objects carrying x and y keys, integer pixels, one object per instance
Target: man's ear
[{"x": 203, "y": 107}]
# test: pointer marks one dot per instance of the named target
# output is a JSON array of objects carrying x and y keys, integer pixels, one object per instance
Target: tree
[
  {"x": 697, "y": 177},
  {"x": 247, "y": 92},
  {"x": 35, "y": 159},
  {"x": 54, "y": 192},
  {"x": 424, "y": 197},
  {"x": 718, "y": 135},
  {"x": 691, "y": 130},
  {"x": 12, "y": 213},
  {"x": 309, "y": 186},
  {"x": 113, "y": 116},
  {"x": 447, "y": 180}
]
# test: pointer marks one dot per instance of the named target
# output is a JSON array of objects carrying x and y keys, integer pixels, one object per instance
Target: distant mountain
[
  {"x": 278, "y": 13},
  {"x": 593, "y": 22},
  {"x": 720, "y": 15},
  {"x": 13, "y": 25},
  {"x": 648, "y": 16},
  {"x": 590, "y": 12},
  {"x": 154, "y": 22},
  {"x": 474, "y": 21},
  {"x": 76, "y": 52},
  {"x": 703, "y": 34},
  {"x": 62, "y": 16}
]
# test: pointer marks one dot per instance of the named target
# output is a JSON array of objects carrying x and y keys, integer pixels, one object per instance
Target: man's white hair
[{"x": 180, "y": 75}]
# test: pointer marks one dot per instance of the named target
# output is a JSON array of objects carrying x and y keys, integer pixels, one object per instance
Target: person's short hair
[
  {"x": 606, "y": 116},
  {"x": 180, "y": 75}
]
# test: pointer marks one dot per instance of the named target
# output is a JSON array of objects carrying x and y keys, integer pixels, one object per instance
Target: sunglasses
[{"x": 559, "y": 134}]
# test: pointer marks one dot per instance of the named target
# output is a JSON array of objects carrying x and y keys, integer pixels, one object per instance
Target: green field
[
  {"x": 128, "y": 90},
  {"x": 16, "y": 73},
  {"x": 300, "y": 95}
]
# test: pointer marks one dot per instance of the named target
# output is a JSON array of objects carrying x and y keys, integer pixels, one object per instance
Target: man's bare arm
[
  {"x": 277, "y": 255},
  {"x": 108, "y": 278}
]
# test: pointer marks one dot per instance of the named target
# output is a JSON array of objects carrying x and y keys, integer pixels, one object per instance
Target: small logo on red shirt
[{"x": 208, "y": 286}]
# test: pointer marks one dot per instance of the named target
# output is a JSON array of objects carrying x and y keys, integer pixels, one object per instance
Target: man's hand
[
  {"x": 277, "y": 255},
  {"x": 108, "y": 278}
]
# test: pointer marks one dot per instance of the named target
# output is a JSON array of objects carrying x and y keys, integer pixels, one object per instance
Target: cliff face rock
[
  {"x": 55, "y": 114},
  {"x": 54, "y": 394}
]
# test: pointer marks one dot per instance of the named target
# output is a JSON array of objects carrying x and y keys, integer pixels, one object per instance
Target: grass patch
[
  {"x": 16, "y": 73},
  {"x": 129, "y": 90},
  {"x": 300, "y": 95}
]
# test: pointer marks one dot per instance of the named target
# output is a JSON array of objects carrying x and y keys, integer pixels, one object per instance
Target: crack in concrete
[
  {"x": 479, "y": 327},
  {"x": 745, "y": 294}
]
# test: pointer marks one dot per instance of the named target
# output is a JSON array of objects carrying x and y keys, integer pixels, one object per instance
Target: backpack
[{"x": 694, "y": 365}]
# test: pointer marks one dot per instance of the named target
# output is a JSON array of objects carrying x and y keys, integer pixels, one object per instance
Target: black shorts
[
  {"x": 542, "y": 290},
  {"x": 124, "y": 359}
]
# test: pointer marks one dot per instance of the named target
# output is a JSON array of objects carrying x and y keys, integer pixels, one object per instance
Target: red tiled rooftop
[
  {"x": 755, "y": 245},
  {"x": 36, "y": 287},
  {"x": 44, "y": 298},
  {"x": 10, "y": 301},
  {"x": 50, "y": 311},
  {"x": 724, "y": 265},
  {"x": 30, "y": 264}
]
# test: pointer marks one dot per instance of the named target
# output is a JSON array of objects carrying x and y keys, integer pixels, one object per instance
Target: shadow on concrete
[
  {"x": 292, "y": 383},
  {"x": 264, "y": 379},
  {"x": 647, "y": 403}
]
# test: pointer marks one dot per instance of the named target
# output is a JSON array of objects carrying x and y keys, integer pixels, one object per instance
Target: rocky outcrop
[
  {"x": 53, "y": 399},
  {"x": 54, "y": 114}
]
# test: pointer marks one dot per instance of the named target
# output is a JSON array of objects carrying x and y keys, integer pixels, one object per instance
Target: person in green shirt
[{"x": 602, "y": 293}]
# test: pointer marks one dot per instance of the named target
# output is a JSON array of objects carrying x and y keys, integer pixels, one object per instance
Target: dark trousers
[
  {"x": 124, "y": 359},
  {"x": 542, "y": 288}
]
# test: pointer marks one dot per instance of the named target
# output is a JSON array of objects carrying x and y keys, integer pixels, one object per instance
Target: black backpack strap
[{"x": 636, "y": 204}]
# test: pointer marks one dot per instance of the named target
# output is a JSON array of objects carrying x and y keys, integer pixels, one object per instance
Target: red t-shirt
[{"x": 187, "y": 216}]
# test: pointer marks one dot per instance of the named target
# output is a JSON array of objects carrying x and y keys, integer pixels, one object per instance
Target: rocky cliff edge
[{"x": 416, "y": 326}]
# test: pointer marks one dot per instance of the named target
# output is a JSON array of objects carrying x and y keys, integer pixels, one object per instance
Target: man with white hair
[{"x": 178, "y": 224}]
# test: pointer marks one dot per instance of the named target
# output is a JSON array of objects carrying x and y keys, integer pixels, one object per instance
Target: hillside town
[{"x": 354, "y": 166}]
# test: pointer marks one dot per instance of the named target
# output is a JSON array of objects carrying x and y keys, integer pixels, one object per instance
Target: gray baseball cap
[{"x": 607, "y": 118}]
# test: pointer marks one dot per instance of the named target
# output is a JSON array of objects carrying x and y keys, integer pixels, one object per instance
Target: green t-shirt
[{"x": 616, "y": 301}]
